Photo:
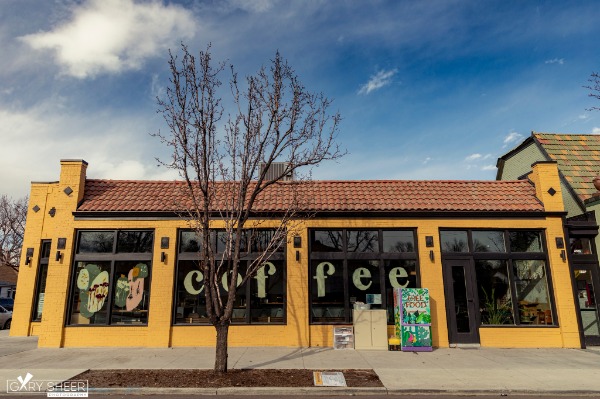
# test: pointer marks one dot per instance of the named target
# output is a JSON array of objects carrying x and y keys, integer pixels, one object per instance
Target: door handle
[{"x": 470, "y": 300}]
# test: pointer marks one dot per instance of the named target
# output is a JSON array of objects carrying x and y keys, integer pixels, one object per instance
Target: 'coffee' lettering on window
[
  {"x": 262, "y": 274},
  {"x": 361, "y": 278}
]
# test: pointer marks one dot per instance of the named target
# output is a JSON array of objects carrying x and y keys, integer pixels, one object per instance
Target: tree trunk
[{"x": 221, "y": 348}]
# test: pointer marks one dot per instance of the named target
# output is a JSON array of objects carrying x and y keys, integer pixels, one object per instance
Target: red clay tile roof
[
  {"x": 329, "y": 196},
  {"x": 578, "y": 158}
]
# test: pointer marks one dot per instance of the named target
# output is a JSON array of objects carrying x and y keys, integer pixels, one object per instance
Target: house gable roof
[
  {"x": 578, "y": 158},
  {"x": 124, "y": 196}
]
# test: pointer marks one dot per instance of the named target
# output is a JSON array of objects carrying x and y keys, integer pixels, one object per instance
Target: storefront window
[
  {"x": 130, "y": 293},
  {"x": 260, "y": 300},
  {"x": 107, "y": 291},
  {"x": 364, "y": 281},
  {"x": 488, "y": 241},
  {"x": 327, "y": 241},
  {"x": 525, "y": 241},
  {"x": 454, "y": 241},
  {"x": 581, "y": 246},
  {"x": 512, "y": 280},
  {"x": 363, "y": 268},
  {"x": 493, "y": 287},
  {"x": 363, "y": 241},
  {"x": 41, "y": 281},
  {"x": 532, "y": 292},
  {"x": 190, "y": 241},
  {"x": 96, "y": 242},
  {"x": 135, "y": 241},
  {"x": 91, "y": 293},
  {"x": 327, "y": 287},
  {"x": 398, "y": 274},
  {"x": 267, "y": 293},
  {"x": 398, "y": 241}
]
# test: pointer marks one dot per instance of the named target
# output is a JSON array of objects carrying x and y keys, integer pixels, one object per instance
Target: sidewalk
[{"x": 443, "y": 370}]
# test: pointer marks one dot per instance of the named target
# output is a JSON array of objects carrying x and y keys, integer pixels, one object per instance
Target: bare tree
[
  {"x": 594, "y": 88},
  {"x": 224, "y": 161},
  {"x": 12, "y": 226}
]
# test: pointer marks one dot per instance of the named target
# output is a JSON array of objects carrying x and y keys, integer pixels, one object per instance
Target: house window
[
  {"x": 111, "y": 277},
  {"x": 261, "y": 300},
  {"x": 513, "y": 286},
  {"x": 40, "y": 291},
  {"x": 350, "y": 266}
]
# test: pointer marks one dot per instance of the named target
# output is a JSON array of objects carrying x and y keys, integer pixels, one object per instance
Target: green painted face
[{"x": 121, "y": 291}]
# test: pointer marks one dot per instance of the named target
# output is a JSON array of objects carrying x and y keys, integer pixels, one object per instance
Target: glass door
[
  {"x": 460, "y": 301},
  {"x": 588, "y": 288}
]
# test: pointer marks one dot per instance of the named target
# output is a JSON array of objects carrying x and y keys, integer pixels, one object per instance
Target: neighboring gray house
[{"x": 578, "y": 159}]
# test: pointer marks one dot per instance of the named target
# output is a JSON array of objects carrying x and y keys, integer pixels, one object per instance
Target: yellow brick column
[
  {"x": 433, "y": 279},
  {"x": 547, "y": 185},
  {"x": 297, "y": 290},
  {"x": 27, "y": 273},
  {"x": 64, "y": 198},
  {"x": 161, "y": 290},
  {"x": 544, "y": 175}
]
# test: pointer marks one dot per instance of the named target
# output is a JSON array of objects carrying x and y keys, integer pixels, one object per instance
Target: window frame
[
  {"x": 112, "y": 258},
  {"x": 42, "y": 263},
  {"x": 344, "y": 256},
  {"x": 509, "y": 257},
  {"x": 279, "y": 255}
]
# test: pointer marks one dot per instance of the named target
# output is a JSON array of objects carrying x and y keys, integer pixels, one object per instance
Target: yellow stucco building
[{"x": 109, "y": 263}]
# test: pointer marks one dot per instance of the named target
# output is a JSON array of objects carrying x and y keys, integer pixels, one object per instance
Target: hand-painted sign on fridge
[{"x": 412, "y": 317}]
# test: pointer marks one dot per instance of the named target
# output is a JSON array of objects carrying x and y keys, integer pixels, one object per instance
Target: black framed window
[
  {"x": 40, "y": 287},
  {"x": 513, "y": 282},
  {"x": 111, "y": 277},
  {"x": 358, "y": 265},
  {"x": 262, "y": 300}
]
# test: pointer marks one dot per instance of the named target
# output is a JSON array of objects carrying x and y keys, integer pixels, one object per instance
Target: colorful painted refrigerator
[{"x": 412, "y": 316}]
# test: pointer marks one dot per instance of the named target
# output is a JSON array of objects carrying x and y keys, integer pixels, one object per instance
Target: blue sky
[{"x": 426, "y": 89}]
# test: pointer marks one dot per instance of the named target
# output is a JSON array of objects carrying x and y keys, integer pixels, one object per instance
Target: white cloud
[
  {"x": 426, "y": 160},
  {"x": 34, "y": 140},
  {"x": 596, "y": 130},
  {"x": 583, "y": 116},
  {"x": 377, "y": 81},
  {"x": 110, "y": 36},
  {"x": 558, "y": 61},
  {"x": 473, "y": 157},
  {"x": 512, "y": 137},
  {"x": 477, "y": 157},
  {"x": 489, "y": 167}
]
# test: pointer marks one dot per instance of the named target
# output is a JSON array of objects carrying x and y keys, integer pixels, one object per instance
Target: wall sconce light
[
  {"x": 52, "y": 212},
  {"x": 164, "y": 243},
  {"x": 297, "y": 242},
  {"x": 560, "y": 243},
  {"x": 61, "y": 243},
  {"x": 429, "y": 241},
  {"x": 28, "y": 256},
  {"x": 563, "y": 255},
  {"x": 58, "y": 256},
  {"x": 431, "y": 257},
  {"x": 163, "y": 257}
]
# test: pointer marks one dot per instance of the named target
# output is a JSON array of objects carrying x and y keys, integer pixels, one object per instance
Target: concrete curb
[
  {"x": 329, "y": 391},
  {"x": 248, "y": 391}
]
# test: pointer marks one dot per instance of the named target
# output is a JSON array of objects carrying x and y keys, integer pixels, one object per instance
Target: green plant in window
[{"x": 493, "y": 312}]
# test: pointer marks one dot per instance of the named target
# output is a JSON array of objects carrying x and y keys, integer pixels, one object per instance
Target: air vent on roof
[{"x": 275, "y": 170}]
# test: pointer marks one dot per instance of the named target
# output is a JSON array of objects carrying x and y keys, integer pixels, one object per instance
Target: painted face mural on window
[
  {"x": 130, "y": 290},
  {"x": 107, "y": 291},
  {"x": 93, "y": 289}
]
